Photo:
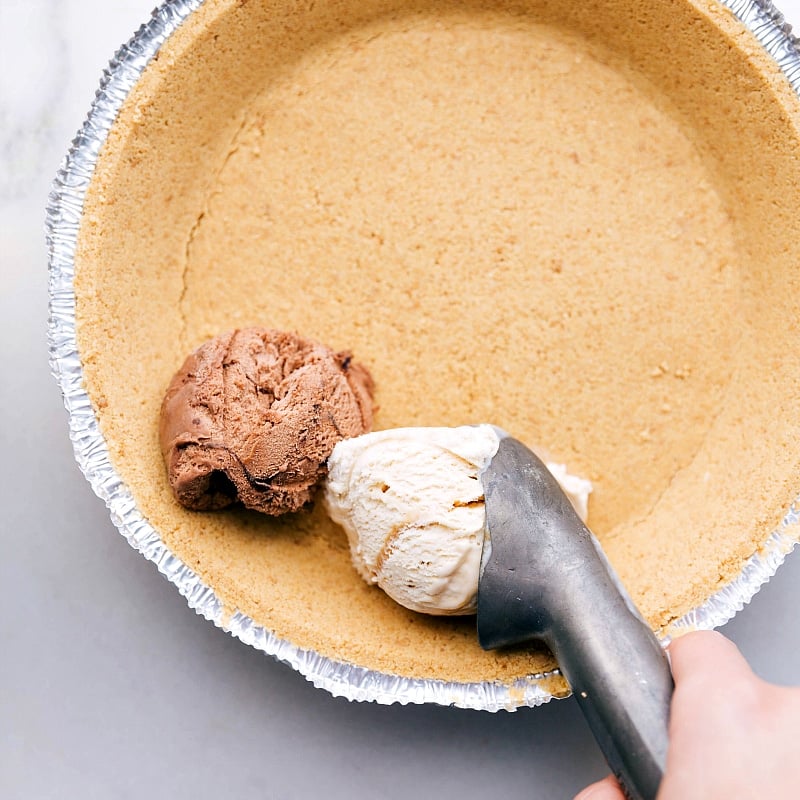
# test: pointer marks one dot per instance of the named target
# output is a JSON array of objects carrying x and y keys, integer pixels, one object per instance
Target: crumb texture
[{"x": 568, "y": 220}]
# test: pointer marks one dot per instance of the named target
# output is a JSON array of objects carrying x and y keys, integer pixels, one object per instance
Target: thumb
[
  {"x": 707, "y": 654},
  {"x": 607, "y": 789}
]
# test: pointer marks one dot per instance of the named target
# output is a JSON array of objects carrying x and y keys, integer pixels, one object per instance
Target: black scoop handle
[{"x": 544, "y": 576}]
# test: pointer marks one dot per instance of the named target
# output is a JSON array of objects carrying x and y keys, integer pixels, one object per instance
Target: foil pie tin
[{"x": 64, "y": 211}]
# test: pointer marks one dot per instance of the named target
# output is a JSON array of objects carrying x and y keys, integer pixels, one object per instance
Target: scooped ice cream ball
[
  {"x": 253, "y": 415},
  {"x": 412, "y": 504}
]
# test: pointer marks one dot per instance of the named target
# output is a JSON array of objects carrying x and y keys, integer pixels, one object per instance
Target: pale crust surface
[{"x": 568, "y": 222}]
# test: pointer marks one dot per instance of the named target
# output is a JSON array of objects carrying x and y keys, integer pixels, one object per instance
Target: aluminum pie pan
[{"x": 340, "y": 679}]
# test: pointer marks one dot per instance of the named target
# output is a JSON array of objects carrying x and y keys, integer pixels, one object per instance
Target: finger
[
  {"x": 708, "y": 653},
  {"x": 607, "y": 789}
]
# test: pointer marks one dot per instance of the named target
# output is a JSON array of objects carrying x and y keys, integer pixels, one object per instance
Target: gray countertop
[{"x": 112, "y": 687}]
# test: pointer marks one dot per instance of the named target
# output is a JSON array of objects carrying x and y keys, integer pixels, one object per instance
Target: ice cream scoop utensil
[{"x": 544, "y": 577}]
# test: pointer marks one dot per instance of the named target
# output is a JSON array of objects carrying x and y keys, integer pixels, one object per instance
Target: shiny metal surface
[{"x": 545, "y": 578}]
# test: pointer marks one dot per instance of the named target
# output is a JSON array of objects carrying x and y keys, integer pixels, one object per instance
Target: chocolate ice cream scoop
[{"x": 253, "y": 415}]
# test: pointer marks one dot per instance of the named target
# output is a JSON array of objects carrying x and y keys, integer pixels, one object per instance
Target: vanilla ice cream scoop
[{"x": 412, "y": 504}]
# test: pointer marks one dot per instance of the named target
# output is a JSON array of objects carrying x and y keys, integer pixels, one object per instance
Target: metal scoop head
[{"x": 544, "y": 577}]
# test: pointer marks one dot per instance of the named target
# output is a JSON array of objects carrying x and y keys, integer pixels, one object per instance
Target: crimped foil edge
[{"x": 340, "y": 679}]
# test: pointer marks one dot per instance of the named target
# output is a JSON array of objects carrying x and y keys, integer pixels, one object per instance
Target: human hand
[{"x": 731, "y": 734}]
